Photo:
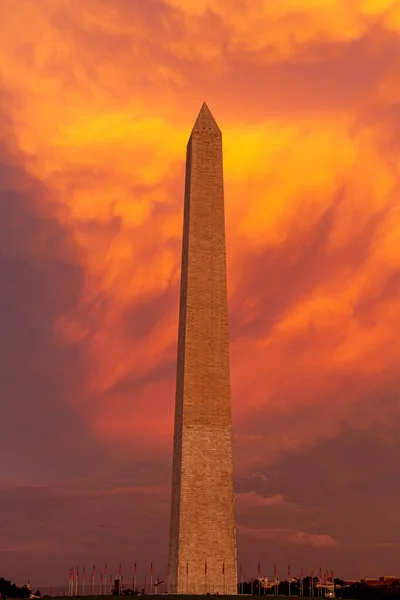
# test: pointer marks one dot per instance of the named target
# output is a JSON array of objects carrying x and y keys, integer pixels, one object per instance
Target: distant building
[
  {"x": 265, "y": 583},
  {"x": 384, "y": 581}
]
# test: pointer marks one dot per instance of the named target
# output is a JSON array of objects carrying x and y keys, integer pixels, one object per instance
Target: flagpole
[
  {"x": 134, "y": 577},
  {"x": 320, "y": 582},
  {"x": 301, "y": 581}
]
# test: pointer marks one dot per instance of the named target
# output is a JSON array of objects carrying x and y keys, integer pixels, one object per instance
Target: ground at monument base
[
  {"x": 184, "y": 596},
  {"x": 155, "y": 596}
]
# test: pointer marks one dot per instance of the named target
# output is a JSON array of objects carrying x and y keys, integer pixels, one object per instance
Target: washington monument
[{"x": 202, "y": 535}]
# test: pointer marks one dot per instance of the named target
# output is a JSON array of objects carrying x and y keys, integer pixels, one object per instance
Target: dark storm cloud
[
  {"x": 345, "y": 488},
  {"x": 40, "y": 279},
  {"x": 52, "y": 527}
]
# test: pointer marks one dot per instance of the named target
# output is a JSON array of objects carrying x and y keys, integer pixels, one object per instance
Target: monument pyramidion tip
[{"x": 205, "y": 122}]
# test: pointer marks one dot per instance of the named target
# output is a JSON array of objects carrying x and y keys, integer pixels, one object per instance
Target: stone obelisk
[{"x": 203, "y": 535}]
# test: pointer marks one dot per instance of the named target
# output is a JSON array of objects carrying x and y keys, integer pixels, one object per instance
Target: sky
[{"x": 97, "y": 101}]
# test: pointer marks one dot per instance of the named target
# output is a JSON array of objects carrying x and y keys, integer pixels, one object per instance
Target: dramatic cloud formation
[{"x": 96, "y": 106}]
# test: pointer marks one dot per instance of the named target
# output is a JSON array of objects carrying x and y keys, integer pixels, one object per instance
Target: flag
[
  {"x": 223, "y": 567},
  {"x": 187, "y": 567},
  {"x": 134, "y": 570}
]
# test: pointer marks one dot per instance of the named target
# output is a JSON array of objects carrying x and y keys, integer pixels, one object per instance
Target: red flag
[
  {"x": 223, "y": 567},
  {"x": 187, "y": 567},
  {"x": 151, "y": 569},
  {"x": 134, "y": 570},
  {"x": 77, "y": 573}
]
